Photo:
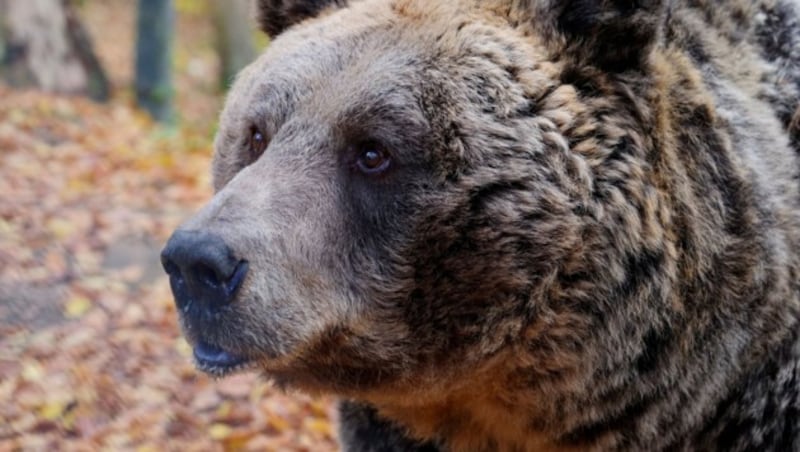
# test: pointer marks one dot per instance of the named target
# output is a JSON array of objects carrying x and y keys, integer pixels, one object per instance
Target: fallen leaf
[
  {"x": 32, "y": 371},
  {"x": 219, "y": 431},
  {"x": 183, "y": 347},
  {"x": 318, "y": 425},
  {"x": 76, "y": 307},
  {"x": 52, "y": 411},
  {"x": 60, "y": 228}
]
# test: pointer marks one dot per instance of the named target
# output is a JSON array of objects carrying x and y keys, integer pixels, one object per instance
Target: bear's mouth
[{"x": 218, "y": 362}]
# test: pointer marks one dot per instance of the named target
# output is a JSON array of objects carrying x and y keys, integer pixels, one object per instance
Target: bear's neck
[
  {"x": 597, "y": 407},
  {"x": 479, "y": 415}
]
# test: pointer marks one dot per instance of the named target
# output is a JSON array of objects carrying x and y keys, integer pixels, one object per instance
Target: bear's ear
[
  {"x": 275, "y": 16},
  {"x": 612, "y": 34}
]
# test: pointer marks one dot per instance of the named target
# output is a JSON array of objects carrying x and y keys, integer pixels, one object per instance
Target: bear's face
[{"x": 398, "y": 181}]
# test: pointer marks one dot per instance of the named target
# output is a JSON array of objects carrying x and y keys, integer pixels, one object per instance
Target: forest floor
[{"x": 91, "y": 357}]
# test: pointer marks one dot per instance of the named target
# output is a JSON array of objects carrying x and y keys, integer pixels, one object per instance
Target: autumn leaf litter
[{"x": 90, "y": 353}]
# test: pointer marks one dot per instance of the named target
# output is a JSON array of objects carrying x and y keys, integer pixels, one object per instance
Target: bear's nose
[{"x": 202, "y": 270}]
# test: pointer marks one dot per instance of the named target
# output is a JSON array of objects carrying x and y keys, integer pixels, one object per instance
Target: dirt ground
[{"x": 90, "y": 353}]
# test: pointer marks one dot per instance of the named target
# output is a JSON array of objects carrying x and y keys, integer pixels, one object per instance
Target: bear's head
[{"x": 408, "y": 191}]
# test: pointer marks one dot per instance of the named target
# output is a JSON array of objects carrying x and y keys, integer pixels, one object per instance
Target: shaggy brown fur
[{"x": 586, "y": 235}]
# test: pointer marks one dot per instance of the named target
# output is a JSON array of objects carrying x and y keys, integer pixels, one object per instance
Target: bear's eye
[
  {"x": 372, "y": 158},
  {"x": 256, "y": 144}
]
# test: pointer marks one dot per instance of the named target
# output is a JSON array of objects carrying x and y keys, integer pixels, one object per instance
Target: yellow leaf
[
  {"x": 5, "y": 228},
  {"x": 78, "y": 186},
  {"x": 183, "y": 347},
  {"x": 224, "y": 409},
  {"x": 60, "y": 228},
  {"x": 77, "y": 307},
  {"x": 279, "y": 424},
  {"x": 68, "y": 419},
  {"x": 32, "y": 371},
  {"x": 319, "y": 408},
  {"x": 238, "y": 440},
  {"x": 319, "y": 426},
  {"x": 219, "y": 431},
  {"x": 52, "y": 410}
]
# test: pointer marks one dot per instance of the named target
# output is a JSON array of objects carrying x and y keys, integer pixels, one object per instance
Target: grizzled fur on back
[{"x": 584, "y": 235}]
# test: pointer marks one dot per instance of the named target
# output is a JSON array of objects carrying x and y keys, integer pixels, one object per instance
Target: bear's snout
[{"x": 204, "y": 273}]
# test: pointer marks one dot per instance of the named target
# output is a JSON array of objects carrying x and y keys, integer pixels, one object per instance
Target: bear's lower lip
[{"x": 216, "y": 361}]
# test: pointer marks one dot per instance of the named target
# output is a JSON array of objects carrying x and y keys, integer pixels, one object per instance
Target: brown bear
[{"x": 512, "y": 224}]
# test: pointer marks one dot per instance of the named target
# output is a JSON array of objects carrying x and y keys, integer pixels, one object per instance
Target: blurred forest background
[{"x": 107, "y": 116}]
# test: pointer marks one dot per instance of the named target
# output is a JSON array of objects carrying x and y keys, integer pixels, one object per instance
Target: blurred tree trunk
[
  {"x": 44, "y": 44},
  {"x": 155, "y": 29},
  {"x": 234, "y": 33}
]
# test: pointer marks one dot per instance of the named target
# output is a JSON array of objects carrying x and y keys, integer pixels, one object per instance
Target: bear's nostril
[
  {"x": 170, "y": 267},
  {"x": 202, "y": 269},
  {"x": 206, "y": 274},
  {"x": 236, "y": 279}
]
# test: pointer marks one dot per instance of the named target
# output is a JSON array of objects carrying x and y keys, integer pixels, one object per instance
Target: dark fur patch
[
  {"x": 656, "y": 346},
  {"x": 615, "y": 34},
  {"x": 361, "y": 424},
  {"x": 622, "y": 421},
  {"x": 275, "y": 16}
]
